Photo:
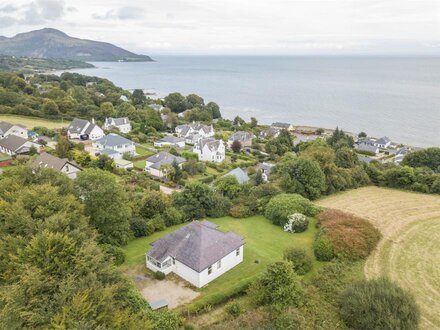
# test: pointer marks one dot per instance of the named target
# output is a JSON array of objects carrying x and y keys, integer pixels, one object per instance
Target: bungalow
[
  {"x": 114, "y": 146},
  {"x": 198, "y": 252},
  {"x": 122, "y": 163},
  {"x": 210, "y": 150},
  {"x": 194, "y": 132},
  {"x": 16, "y": 145},
  {"x": 154, "y": 163},
  {"x": 400, "y": 154},
  {"x": 84, "y": 130},
  {"x": 239, "y": 174},
  {"x": 270, "y": 132},
  {"x": 172, "y": 141},
  {"x": 245, "y": 138},
  {"x": 15, "y": 129},
  {"x": 286, "y": 126},
  {"x": 367, "y": 147},
  {"x": 383, "y": 142},
  {"x": 266, "y": 169},
  {"x": 65, "y": 166},
  {"x": 122, "y": 124}
]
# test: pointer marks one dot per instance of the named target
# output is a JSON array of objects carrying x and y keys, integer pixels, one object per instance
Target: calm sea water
[{"x": 397, "y": 97}]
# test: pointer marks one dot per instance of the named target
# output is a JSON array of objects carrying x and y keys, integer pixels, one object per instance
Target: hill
[
  {"x": 32, "y": 65},
  {"x": 52, "y": 43}
]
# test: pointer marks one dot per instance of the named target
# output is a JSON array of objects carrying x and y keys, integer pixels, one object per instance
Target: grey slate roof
[
  {"x": 241, "y": 136},
  {"x": 198, "y": 245},
  {"x": 12, "y": 142},
  {"x": 48, "y": 161},
  {"x": 117, "y": 121},
  {"x": 367, "y": 147},
  {"x": 212, "y": 144},
  {"x": 265, "y": 167},
  {"x": 162, "y": 158},
  {"x": 171, "y": 139},
  {"x": 4, "y": 127},
  {"x": 77, "y": 125},
  {"x": 112, "y": 140},
  {"x": 383, "y": 140},
  {"x": 281, "y": 125},
  {"x": 239, "y": 174}
]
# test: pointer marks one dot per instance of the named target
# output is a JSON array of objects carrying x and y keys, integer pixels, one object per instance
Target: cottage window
[
  {"x": 219, "y": 264},
  {"x": 209, "y": 270},
  {"x": 237, "y": 252}
]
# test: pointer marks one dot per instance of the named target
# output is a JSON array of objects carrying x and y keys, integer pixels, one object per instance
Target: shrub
[
  {"x": 233, "y": 309},
  {"x": 378, "y": 304},
  {"x": 240, "y": 211},
  {"x": 115, "y": 252},
  {"x": 159, "y": 275},
  {"x": 139, "y": 227},
  {"x": 302, "y": 262},
  {"x": 280, "y": 207},
  {"x": 220, "y": 206},
  {"x": 296, "y": 223},
  {"x": 172, "y": 216},
  {"x": 322, "y": 248}
]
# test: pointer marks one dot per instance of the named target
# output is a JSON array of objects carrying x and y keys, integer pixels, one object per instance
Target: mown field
[
  {"x": 31, "y": 122},
  {"x": 409, "y": 252},
  {"x": 264, "y": 244}
]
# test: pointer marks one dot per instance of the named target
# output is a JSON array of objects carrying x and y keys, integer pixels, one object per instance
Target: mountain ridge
[{"x": 53, "y": 43}]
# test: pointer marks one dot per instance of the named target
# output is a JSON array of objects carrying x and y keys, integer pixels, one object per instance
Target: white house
[
  {"x": 122, "y": 163},
  {"x": 383, "y": 142},
  {"x": 16, "y": 145},
  {"x": 210, "y": 150},
  {"x": 287, "y": 126},
  {"x": 114, "y": 145},
  {"x": 270, "y": 132},
  {"x": 367, "y": 147},
  {"x": 84, "y": 130},
  {"x": 122, "y": 124},
  {"x": 400, "y": 154},
  {"x": 245, "y": 139},
  {"x": 194, "y": 132},
  {"x": 16, "y": 129},
  {"x": 171, "y": 141},
  {"x": 266, "y": 169},
  {"x": 154, "y": 163},
  {"x": 198, "y": 252},
  {"x": 64, "y": 166}
]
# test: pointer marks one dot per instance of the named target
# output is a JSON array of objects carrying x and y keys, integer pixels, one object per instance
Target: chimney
[{"x": 93, "y": 121}]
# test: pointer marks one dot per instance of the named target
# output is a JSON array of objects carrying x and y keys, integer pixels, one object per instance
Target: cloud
[
  {"x": 6, "y": 21},
  {"x": 123, "y": 13},
  {"x": 8, "y": 9}
]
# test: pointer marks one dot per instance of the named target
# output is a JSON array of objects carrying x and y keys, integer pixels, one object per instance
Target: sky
[{"x": 282, "y": 27}]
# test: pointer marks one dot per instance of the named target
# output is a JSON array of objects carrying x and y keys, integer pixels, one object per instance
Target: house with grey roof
[
  {"x": 245, "y": 139},
  {"x": 194, "y": 132},
  {"x": 198, "y": 252},
  {"x": 15, "y": 129},
  {"x": 383, "y": 142},
  {"x": 368, "y": 148},
  {"x": 63, "y": 165},
  {"x": 400, "y": 154},
  {"x": 287, "y": 126},
  {"x": 15, "y": 145},
  {"x": 266, "y": 169},
  {"x": 122, "y": 124},
  {"x": 270, "y": 132},
  {"x": 170, "y": 141},
  {"x": 84, "y": 130},
  {"x": 238, "y": 173},
  {"x": 153, "y": 164},
  {"x": 114, "y": 146},
  {"x": 210, "y": 150}
]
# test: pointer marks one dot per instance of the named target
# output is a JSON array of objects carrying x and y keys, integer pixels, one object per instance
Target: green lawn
[
  {"x": 31, "y": 122},
  {"x": 264, "y": 243},
  {"x": 143, "y": 152},
  {"x": 140, "y": 164}
]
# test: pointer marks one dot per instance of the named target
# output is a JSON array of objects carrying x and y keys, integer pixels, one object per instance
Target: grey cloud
[
  {"x": 8, "y": 9},
  {"x": 6, "y": 21},
  {"x": 123, "y": 13}
]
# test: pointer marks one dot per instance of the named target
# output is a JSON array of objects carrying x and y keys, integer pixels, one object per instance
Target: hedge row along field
[{"x": 408, "y": 253}]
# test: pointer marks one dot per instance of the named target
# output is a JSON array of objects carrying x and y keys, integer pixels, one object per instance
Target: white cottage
[
  {"x": 198, "y": 252},
  {"x": 122, "y": 124},
  {"x": 15, "y": 129},
  {"x": 64, "y": 166},
  {"x": 194, "y": 132},
  {"x": 15, "y": 145},
  {"x": 114, "y": 145},
  {"x": 154, "y": 163},
  {"x": 210, "y": 150},
  {"x": 84, "y": 129}
]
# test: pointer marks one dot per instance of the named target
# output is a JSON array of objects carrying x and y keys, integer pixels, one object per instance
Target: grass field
[
  {"x": 31, "y": 122},
  {"x": 264, "y": 242},
  {"x": 409, "y": 252}
]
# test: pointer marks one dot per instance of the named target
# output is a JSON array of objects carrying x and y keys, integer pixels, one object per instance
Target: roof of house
[
  {"x": 270, "y": 131},
  {"x": 282, "y": 125},
  {"x": 265, "y": 167},
  {"x": 5, "y": 126},
  {"x": 77, "y": 125},
  {"x": 367, "y": 147},
  {"x": 47, "y": 160},
  {"x": 123, "y": 162},
  {"x": 112, "y": 140},
  {"x": 108, "y": 152},
  {"x": 241, "y": 136},
  {"x": 90, "y": 128},
  {"x": 383, "y": 140},
  {"x": 171, "y": 139},
  {"x": 162, "y": 158},
  {"x": 211, "y": 143},
  {"x": 184, "y": 129},
  {"x": 12, "y": 142},
  {"x": 239, "y": 174},
  {"x": 198, "y": 245},
  {"x": 117, "y": 121}
]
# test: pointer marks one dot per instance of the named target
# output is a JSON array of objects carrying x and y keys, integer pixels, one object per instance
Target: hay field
[
  {"x": 31, "y": 122},
  {"x": 409, "y": 252}
]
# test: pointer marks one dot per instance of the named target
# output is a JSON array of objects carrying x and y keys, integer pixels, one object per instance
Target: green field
[
  {"x": 31, "y": 122},
  {"x": 264, "y": 243}
]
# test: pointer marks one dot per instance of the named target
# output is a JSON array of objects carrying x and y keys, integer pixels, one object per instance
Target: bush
[
  {"x": 159, "y": 275},
  {"x": 172, "y": 216},
  {"x": 378, "y": 304},
  {"x": 139, "y": 227},
  {"x": 302, "y": 262},
  {"x": 296, "y": 223},
  {"x": 114, "y": 252},
  {"x": 233, "y": 309},
  {"x": 220, "y": 206},
  {"x": 280, "y": 207},
  {"x": 240, "y": 211},
  {"x": 322, "y": 248}
]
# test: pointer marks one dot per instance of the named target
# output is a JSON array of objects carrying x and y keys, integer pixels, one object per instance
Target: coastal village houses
[
  {"x": 286, "y": 126},
  {"x": 210, "y": 150},
  {"x": 15, "y": 129},
  {"x": 171, "y": 141},
  {"x": 64, "y": 166},
  {"x": 197, "y": 252},
  {"x": 114, "y": 146},
  {"x": 122, "y": 124},
  {"x": 16, "y": 145},
  {"x": 154, "y": 163},
  {"x": 84, "y": 130},
  {"x": 194, "y": 132},
  {"x": 245, "y": 138}
]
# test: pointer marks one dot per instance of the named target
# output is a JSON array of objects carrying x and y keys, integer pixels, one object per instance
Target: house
[
  {"x": 304, "y": 138},
  {"x": 368, "y": 148},
  {"x": 122, "y": 163},
  {"x": 64, "y": 166},
  {"x": 172, "y": 141},
  {"x": 114, "y": 145},
  {"x": 84, "y": 130},
  {"x": 123, "y": 98},
  {"x": 157, "y": 107},
  {"x": 270, "y": 132},
  {"x": 194, "y": 132},
  {"x": 239, "y": 174},
  {"x": 122, "y": 124},
  {"x": 210, "y": 150},
  {"x": 286, "y": 126},
  {"x": 198, "y": 252},
  {"x": 15, "y": 129},
  {"x": 16, "y": 145},
  {"x": 154, "y": 163},
  {"x": 266, "y": 169},
  {"x": 383, "y": 142},
  {"x": 245, "y": 139},
  {"x": 400, "y": 154}
]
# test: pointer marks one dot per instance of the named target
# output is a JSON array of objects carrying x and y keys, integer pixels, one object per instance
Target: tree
[
  {"x": 254, "y": 122},
  {"x": 50, "y": 108},
  {"x": 194, "y": 101},
  {"x": 153, "y": 203},
  {"x": 195, "y": 201},
  {"x": 346, "y": 158},
  {"x": 281, "y": 144},
  {"x": 378, "y": 304},
  {"x": 176, "y": 102},
  {"x": 106, "y": 203},
  {"x": 214, "y": 110},
  {"x": 259, "y": 178},
  {"x": 63, "y": 147},
  {"x": 228, "y": 186},
  {"x": 107, "y": 110},
  {"x": 362, "y": 135},
  {"x": 238, "y": 121},
  {"x": 429, "y": 157},
  {"x": 299, "y": 258},
  {"x": 340, "y": 139},
  {"x": 138, "y": 98},
  {"x": 296, "y": 223},
  {"x": 236, "y": 146}
]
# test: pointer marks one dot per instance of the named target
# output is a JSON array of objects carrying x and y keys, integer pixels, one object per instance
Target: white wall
[{"x": 187, "y": 274}]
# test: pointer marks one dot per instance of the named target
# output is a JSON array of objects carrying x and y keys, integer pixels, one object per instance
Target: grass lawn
[
  {"x": 139, "y": 164},
  {"x": 143, "y": 152},
  {"x": 31, "y": 122},
  {"x": 264, "y": 242}
]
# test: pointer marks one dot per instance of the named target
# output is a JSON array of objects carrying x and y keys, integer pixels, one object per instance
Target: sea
[{"x": 398, "y": 97}]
